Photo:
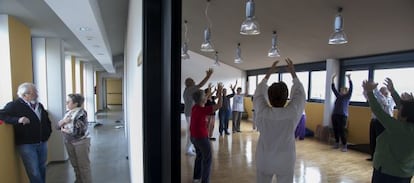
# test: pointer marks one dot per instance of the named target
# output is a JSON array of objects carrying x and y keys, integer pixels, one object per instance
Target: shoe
[
  {"x": 344, "y": 148},
  {"x": 196, "y": 180},
  {"x": 227, "y": 133},
  {"x": 239, "y": 131},
  {"x": 335, "y": 146},
  {"x": 221, "y": 134},
  {"x": 212, "y": 138},
  {"x": 369, "y": 159},
  {"x": 190, "y": 153}
]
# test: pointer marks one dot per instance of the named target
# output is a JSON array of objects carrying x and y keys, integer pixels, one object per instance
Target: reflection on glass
[
  {"x": 318, "y": 85},
  {"x": 400, "y": 77},
  {"x": 357, "y": 77}
]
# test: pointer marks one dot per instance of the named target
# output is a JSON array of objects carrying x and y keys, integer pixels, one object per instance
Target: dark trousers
[
  {"x": 224, "y": 120},
  {"x": 379, "y": 177},
  {"x": 375, "y": 129},
  {"x": 202, "y": 163},
  {"x": 339, "y": 123}
]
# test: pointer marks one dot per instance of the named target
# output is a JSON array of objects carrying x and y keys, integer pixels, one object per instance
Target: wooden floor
[{"x": 234, "y": 160}]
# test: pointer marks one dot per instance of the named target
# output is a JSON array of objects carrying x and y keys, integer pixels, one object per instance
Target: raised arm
[
  {"x": 351, "y": 86},
  {"x": 297, "y": 94},
  {"x": 220, "y": 98},
  {"x": 271, "y": 70},
  {"x": 334, "y": 90},
  {"x": 209, "y": 72},
  {"x": 390, "y": 86}
]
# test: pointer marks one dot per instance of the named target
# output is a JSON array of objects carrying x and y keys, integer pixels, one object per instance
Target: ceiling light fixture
[
  {"x": 250, "y": 26},
  {"x": 339, "y": 36},
  {"x": 238, "y": 58},
  {"x": 274, "y": 51},
  {"x": 184, "y": 50},
  {"x": 206, "y": 46},
  {"x": 216, "y": 60}
]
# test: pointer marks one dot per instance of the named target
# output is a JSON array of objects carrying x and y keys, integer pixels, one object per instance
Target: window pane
[
  {"x": 260, "y": 77},
  {"x": 252, "y": 84},
  {"x": 357, "y": 77},
  {"x": 303, "y": 77},
  {"x": 273, "y": 78},
  {"x": 318, "y": 85},
  {"x": 400, "y": 77}
]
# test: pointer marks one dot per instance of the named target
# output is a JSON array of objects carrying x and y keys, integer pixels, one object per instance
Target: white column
[
  {"x": 88, "y": 85},
  {"x": 332, "y": 67},
  {"x": 77, "y": 75},
  {"x": 49, "y": 77}
]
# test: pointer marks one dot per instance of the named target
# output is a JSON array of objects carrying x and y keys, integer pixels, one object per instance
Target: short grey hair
[
  {"x": 77, "y": 98},
  {"x": 198, "y": 96},
  {"x": 24, "y": 87}
]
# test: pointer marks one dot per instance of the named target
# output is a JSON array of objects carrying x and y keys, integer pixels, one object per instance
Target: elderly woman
[
  {"x": 199, "y": 133},
  {"x": 74, "y": 127},
  {"x": 275, "y": 151},
  {"x": 394, "y": 153}
]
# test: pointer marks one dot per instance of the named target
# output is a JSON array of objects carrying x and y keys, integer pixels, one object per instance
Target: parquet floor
[{"x": 316, "y": 162}]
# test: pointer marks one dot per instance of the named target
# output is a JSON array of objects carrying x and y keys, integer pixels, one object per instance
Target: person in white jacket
[{"x": 276, "y": 153}]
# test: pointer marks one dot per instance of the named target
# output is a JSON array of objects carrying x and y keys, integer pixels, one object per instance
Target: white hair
[{"x": 24, "y": 87}]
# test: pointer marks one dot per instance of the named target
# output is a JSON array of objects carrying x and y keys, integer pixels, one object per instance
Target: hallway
[{"x": 108, "y": 152}]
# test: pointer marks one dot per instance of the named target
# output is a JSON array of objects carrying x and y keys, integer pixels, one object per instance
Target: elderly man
[
  {"x": 32, "y": 129},
  {"x": 190, "y": 89}
]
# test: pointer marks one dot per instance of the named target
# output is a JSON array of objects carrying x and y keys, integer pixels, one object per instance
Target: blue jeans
[
  {"x": 34, "y": 158},
  {"x": 224, "y": 121},
  {"x": 202, "y": 163}
]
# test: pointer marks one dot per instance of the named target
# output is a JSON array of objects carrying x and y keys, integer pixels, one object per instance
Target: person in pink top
[{"x": 199, "y": 133}]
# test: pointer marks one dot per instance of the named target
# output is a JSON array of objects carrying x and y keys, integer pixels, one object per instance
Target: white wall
[
  {"x": 88, "y": 91},
  {"x": 196, "y": 66},
  {"x": 133, "y": 92},
  {"x": 6, "y": 94}
]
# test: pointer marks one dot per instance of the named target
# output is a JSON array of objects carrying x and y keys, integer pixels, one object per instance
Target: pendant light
[
  {"x": 216, "y": 60},
  {"x": 339, "y": 36},
  {"x": 274, "y": 51},
  {"x": 250, "y": 26},
  {"x": 184, "y": 50},
  {"x": 206, "y": 46},
  {"x": 238, "y": 58}
]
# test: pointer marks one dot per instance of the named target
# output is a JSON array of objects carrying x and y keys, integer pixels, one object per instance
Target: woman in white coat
[{"x": 276, "y": 153}]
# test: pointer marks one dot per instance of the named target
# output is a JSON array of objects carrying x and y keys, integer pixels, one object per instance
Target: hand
[
  {"x": 348, "y": 76},
  {"x": 209, "y": 72},
  {"x": 291, "y": 67},
  {"x": 219, "y": 89},
  {"x": 23, "y": 120},
  {"x": 369, "y": 85},
  {"x": 272, "y": 69},
  {"x": 333, "y": 77},
  {"x": 407, "y": 96},
  {"x": 388, "y": 83}
]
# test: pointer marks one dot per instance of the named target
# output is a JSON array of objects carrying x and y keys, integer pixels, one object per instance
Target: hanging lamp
[
  {"x": 250, "y": 26},
  {"x": 339, "y": 36},
  {"x": 274, "y": 51},
  {"x": 206, "y": 46},
  {"x": 184, "y": 49},
  {"x": 216, "y": 60},
  {"x": 238, "y": 58}
]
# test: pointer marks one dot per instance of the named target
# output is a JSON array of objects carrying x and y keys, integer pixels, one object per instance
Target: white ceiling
[
  {"x": 107, "y": 26},
  {"x": 303, "y": 27}
]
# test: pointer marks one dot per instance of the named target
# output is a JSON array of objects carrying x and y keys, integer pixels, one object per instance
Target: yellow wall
[
  {"x": 114, "y": 91},
  {"x": 248, "y": 106},
  {"x": 11, "y": 168},
  {"x": 358, "y": 120},
  {"x": 314, "y": 115}
]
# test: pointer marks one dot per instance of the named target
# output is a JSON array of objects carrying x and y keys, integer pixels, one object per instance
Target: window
[
  {"x": 400, "y": 77},
  {"x": 303, "y": 77},
  {"x": 357, "y": 77},
  {"x": 318, "y": 85},
  {"x": 252, "y": 84}
]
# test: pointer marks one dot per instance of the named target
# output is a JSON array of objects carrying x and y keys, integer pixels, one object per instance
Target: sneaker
[
  {"x": 190, "y": 153},
  {"x": 227, "y": 133},
  {"x": 335, "y": 146},
  {"x": 212, "y": 138},
  {"x": 344, "y": 148}
]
